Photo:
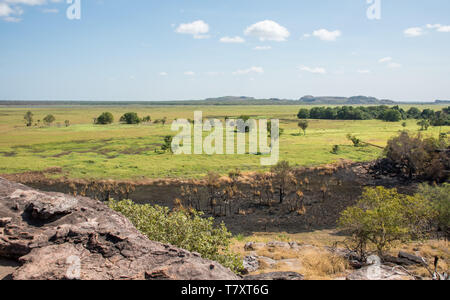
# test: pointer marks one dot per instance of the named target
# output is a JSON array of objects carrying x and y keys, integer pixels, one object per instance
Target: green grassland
[{"x": 117, "y": 151}]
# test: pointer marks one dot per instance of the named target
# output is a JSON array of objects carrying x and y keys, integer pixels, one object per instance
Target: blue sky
[{"x": 194, "y": 49}]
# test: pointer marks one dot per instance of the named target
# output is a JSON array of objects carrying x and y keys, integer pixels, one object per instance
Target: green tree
[
  {"x": 439, "y": 198},
  {"x": 185, "y": 229},
  {"x": 424, "y": 124},
  {"x": 49, "y": 119},
  {"x": 303, "y": 113},
  {"x": 130, "y": 118},
  {"x": 67, "y": 123},
  {"x": 105, "y": 119},
  {"x": 167, "y": 146},
  {"x": 28, "y": 118},
  {"x": 146, "y": 119},
  {"x": 303, "y": 125},
  {"x": 383, "y": 217},
  {"x": 392, "y": 115},
  {"x": 414, "y": 113}
]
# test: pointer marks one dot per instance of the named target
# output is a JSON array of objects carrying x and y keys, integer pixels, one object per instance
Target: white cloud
[
  {"x": 258, "y": 70},
  {"x": 444, "y": 29},
  {"x": 313, "y": 70},
  {"x": 385, "y": 59},
  {"x": 326, "y": 35},
  {"x": 189, "y": 73},
  {"x": 198, "y": 29},
  {"x": 10, "y": 10},
  {"x": 262, "y": 48},
  {"x": 394, "y": 65},
  {"x": 163, "y": 74},
  {"x": 433, "y": 26},
  {"x": 364, "y": 71},
  {"x": 414, "y": 32},
  {"x": 268, "y": 31},
  {"x": 232, "y": 40}
]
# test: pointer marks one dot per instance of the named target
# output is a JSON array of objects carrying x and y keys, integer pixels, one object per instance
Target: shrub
[
  {"x": 439, "y": 198},
  {"x": 187, "y": 230},
  {"x": 382, "y": 217},
  {"x": 130, "y": 118},
  {"x": 49, "y": 119},
  {"x": 336, "y": 149},
  {"x": 424, "y": 124},
  {"x": 415, "y": 156},
  {"x": 167, "y": 146},
  {"x": 28, "y": 118},
  {"x": 105, "y": 118}
]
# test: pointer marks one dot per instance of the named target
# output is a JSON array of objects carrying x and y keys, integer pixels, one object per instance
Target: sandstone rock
[
  {"x": 266, "y": 262},
  {"x": 251, "y": 246},
  {"x": 279, "y": 245},
  {"x": 276, "y": 276},
  {"x": 413, "y": 258},
  {"x": 251, "y": 264},
  {"x": 55, "y": 236}
]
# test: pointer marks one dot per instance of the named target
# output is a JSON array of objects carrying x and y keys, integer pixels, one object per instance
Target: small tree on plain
[
  {"x": 49, "y": 119},
  {"x": 29, "y": 118},
  {"x": 303, "y": 125}
]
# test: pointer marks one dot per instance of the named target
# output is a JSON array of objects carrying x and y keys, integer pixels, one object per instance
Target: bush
[
  {"x": 130, "y": 118},
  {"x": 415, "y": 156},
  {"x": 187, "y": 230},
  {"x": 105, "y": 119},
  {"x": 303, "y": 113},
  {"x": 439, "y": 198},
  {"x": 49, "y": 119},
  {"x": 28, "y": 117},
  {"x": 382, "y": 217}
]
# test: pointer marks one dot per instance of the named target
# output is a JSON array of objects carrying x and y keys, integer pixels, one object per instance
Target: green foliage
[
  {"x": 356, "y": 141},
  {"x": 424, "y": 124},
  {"x": 336, "y": 149},
  {"x": 303, "y": 113},
  {"x": 392, "y": 115},
  {"x": 187, "y": 230},
  {"x": 439, "y": 197},
  {"x": 167, "y": 146},
  {"x": 67, "y": 123},
  {"x": 147, "y": 119},
  {"x": 130, "y": 118},
  {"x": 383, "y": 217},
  {"x": 28, "y": 118},
  {"x": 105, "y": 119},
  {"x": 49, "y": 119},
  {"x": 303, "y": 125}
]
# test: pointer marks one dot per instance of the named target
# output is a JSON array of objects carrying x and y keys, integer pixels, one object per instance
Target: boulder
[
  {"x": 251, "y": 264},
  {"x": 56, "y": 236},
  {"x": 276, "y": 276},
  {"x": 252, "y": 246}
]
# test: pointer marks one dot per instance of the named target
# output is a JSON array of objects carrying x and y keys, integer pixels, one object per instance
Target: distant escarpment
[{"x": 55, "y": 236}]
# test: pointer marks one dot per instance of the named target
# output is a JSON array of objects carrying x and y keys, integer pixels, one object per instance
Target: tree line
[{"x": 382, "y": 112}]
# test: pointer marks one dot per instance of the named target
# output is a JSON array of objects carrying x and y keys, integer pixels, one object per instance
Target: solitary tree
[
  {"x": 164, "y": 120},
  {"x": 29, "y": 118},
  {"x": 425, "y": 124},
  {"x": 67, "y": 123},
  {"x": 49, "y": 119},
  {"x": 105, "y": 118},
  {"x": 130, "y": 118},
  {"x": 303, "y": 125}
]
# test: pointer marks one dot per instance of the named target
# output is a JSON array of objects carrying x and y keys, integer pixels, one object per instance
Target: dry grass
[{"x": 317, "y": 263}]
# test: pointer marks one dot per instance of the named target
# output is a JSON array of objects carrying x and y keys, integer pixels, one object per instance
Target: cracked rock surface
[{"x": 56, "y": 236}]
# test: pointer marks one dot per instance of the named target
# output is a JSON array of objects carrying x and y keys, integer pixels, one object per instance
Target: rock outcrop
[{"x": 56, "y": 236}]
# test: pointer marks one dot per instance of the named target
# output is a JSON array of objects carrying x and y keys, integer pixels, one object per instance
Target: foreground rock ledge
[{"x": 56, "y": 236}]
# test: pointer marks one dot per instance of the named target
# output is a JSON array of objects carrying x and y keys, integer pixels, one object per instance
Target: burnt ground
[{"x": 327, "y": 191}]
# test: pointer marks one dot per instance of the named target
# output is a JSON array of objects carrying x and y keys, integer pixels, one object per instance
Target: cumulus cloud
[
  {"x": 414, "y": 32},
  {"x": 326, "y": 35},
  {"x": 313, "y": 70},
  {"x": 394, "y": 65},
  {"x": 262, "y": 48},
  {"x": 198, "y": 29},
  {"x": 232, "y": 40},
  {"x": 257, "y": 70},
  {"x": 268, "y": 31},
  {"x": 11, "y": 10},
  {"x": 385, "y": 59}
]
